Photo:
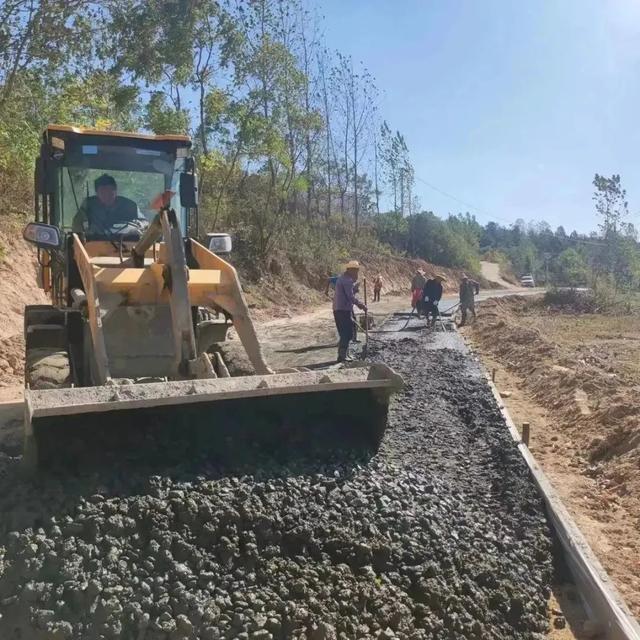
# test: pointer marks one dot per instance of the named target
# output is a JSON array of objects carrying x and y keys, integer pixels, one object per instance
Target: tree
[
  {"x": 611, "y": 203},
  {"x": 390, "y": 160},
  {"x": 355, "y": 93},
  {"x": 27, "y": 30},
  {"x": 323, "y": 62},
  {"x": 618, "y": 256},
  {"x": 571, "y": 268},
  {"x": 398, "y": 169},
  {"x": 162, "y": 118}
]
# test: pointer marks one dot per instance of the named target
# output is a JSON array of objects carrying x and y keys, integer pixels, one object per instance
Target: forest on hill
[
  {"x": 294, "y": 156},
  {"x": 609, "y": 257}
]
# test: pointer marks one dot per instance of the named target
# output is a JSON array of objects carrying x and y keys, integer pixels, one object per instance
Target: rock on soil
[{"x": 439, "y": 535}]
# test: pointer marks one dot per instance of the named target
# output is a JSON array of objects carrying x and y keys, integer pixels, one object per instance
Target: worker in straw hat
[
  {"x": 431, "y": 296},
  {"x": 343, "y": 303}
]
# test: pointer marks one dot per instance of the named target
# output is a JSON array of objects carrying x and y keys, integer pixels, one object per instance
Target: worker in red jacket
[{"x": 417, "y": 285}]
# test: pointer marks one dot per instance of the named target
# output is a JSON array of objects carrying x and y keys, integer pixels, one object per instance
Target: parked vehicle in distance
[{"x": 527, "y": 281}]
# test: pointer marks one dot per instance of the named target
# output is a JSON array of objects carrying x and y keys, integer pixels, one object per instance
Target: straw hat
[
  {"x": 439, "y": 276},
  {"x": 352, "y": 264}
]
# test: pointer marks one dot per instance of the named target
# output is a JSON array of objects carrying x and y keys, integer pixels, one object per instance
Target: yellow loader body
[{"x": 127, "y": 348}]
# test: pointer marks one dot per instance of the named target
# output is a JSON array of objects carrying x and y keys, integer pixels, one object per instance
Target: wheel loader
[{"x": 126, "y": 346}]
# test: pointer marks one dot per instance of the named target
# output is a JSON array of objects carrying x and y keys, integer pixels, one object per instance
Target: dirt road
[
  {"x": 310, "y": 338},
  {"x": 491, "y": 271}
]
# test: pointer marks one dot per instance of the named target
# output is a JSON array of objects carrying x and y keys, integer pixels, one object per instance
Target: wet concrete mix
[{"x": 441, "y": 534}]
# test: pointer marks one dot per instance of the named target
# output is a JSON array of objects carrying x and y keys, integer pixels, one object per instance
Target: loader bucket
[{"x": 216, "y": 418}]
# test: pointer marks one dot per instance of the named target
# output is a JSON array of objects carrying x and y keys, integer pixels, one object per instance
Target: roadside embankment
[{"x": 574, "y": 376}]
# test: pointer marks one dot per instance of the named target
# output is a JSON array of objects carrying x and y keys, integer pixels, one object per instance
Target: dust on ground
[
  {"x": 11, "y": 365},
  {"x": 311, "y": 338},
  {"x": 574, "y": 378}
]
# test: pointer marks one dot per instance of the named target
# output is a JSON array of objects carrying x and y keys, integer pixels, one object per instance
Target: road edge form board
[{"x": 603, "y": 603}]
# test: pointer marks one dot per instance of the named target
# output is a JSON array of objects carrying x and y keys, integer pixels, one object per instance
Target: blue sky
[{"x": 510, "y": 105}]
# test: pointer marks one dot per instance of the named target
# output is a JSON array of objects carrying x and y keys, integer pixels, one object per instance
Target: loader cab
[
  {"x": 68, "y": 171},
  {"x": 142, "y": 168}
]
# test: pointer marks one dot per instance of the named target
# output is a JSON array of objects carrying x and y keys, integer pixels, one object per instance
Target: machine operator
[{"x": 98, "y": 214}]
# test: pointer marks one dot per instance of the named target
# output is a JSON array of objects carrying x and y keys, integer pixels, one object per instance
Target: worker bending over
[
  {"x": 431, "y": 296},
  {"x": 417, "y": 285},
  {"x": 343, "y": 302},
  {"x": 468, "y": 289}
]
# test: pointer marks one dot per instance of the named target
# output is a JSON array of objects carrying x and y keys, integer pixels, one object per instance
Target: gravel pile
[{"x": 440, "y": 535}]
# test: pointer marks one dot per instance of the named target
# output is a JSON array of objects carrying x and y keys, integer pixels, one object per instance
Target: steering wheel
[{"x": 129, "y": 228}]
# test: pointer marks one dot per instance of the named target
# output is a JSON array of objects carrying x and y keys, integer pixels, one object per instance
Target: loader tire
[{"x": 47, "y": 368}]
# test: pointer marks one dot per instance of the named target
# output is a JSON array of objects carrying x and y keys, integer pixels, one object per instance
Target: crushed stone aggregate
[{"x": 441, "y": 534}]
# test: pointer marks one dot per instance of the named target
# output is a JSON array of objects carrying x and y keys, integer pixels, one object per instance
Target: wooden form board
[{"x": 602, "y": 601}]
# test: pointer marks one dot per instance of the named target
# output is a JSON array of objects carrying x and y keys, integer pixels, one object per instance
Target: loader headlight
[{"x": 45, "y": 236}]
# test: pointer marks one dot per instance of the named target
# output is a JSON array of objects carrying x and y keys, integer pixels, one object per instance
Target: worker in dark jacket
[
  {"x": 431, "y": 296},
  {"x": 343, "y": 303},
  {"x": 100, "y": 214},
  {"x": 377, "y": 287},
  {"x": 468, "y": 290}
]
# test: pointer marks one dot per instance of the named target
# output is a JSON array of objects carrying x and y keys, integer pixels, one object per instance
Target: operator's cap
[
  {"x": 105, "y": 180},
  {"x": 352, "y": 264}
]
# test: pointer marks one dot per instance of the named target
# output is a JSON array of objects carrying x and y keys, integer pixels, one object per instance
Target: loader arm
[
  {"x": 176, "y": 276},
  {"x": 101, "y": 361},
  {"x": 228, "y": 296}
]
